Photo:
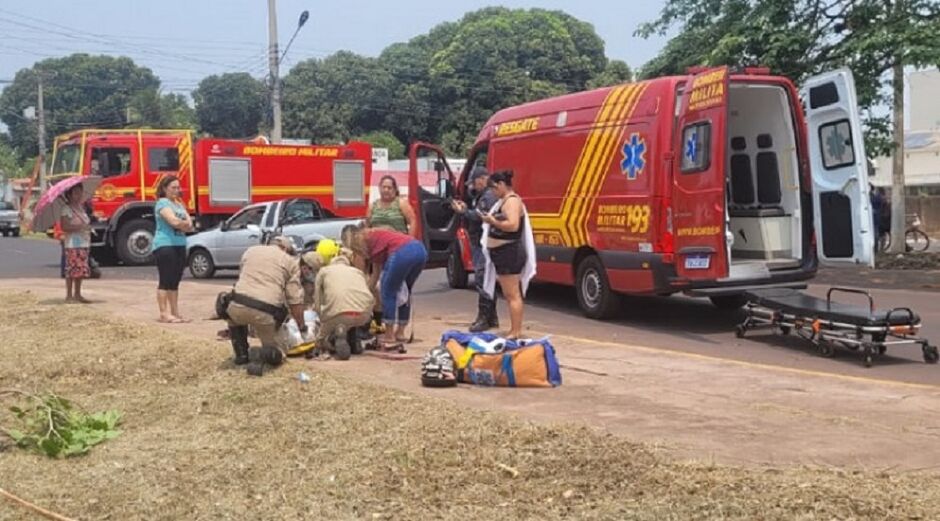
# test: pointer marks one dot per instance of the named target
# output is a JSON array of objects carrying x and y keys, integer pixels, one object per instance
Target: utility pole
[
  {"x": 898, "y": 190},
  {"x": 42, "y": 136},
  {"x": 273, "y": 59}
]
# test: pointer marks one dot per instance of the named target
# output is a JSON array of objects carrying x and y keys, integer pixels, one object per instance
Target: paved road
[{"x": 674, "y": 323}]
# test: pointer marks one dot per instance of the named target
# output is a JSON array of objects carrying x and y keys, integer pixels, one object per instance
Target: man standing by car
[
  {"x": 482, "y": 198},
  {"x": 268, "y": 289}
]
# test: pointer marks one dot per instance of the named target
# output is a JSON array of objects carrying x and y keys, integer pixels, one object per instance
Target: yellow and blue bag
[{"x": 529, "y": 363}]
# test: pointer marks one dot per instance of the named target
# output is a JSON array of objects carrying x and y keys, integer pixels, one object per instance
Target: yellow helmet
[{"x": 327, "y": 248}]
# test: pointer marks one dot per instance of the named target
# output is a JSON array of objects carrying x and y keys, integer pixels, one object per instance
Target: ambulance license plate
[{"x": 697, "y": 262}]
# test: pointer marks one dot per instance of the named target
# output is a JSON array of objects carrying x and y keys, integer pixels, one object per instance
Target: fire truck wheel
[
  {"x": 595, "y": 295},
  {"x": 201, "y": 265},
  {"x": 135, "y": 242},
  {"x": 456, "y": 273}
]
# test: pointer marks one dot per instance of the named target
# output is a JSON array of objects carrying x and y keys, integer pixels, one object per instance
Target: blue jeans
[{"x": 402, "y": 267}]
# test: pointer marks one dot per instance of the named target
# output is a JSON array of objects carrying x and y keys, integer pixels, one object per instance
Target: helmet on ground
[
  {"x": 437, "y": 368},
  {"x": 327, "y": 248}
]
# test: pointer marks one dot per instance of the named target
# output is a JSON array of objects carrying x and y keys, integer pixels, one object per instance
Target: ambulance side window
[
  {"x": 835, "y": 139},
  {"x": 696, "y": 147}
]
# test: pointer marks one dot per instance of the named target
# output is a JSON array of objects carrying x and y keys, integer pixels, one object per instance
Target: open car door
[
  {"x": 698, "y": 198},
  {"x": 437, "y": 222},
  {"x": 842, "y": 209}
]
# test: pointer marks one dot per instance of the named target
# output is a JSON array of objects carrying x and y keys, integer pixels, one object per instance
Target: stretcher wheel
[
  {"x": 931, "y": 355},
  {"x": 826, "y": 349},
  {"x": 740, "y": 331},
  {"x": 784, "y": 330},
  {"x": 869, "y": 357}
]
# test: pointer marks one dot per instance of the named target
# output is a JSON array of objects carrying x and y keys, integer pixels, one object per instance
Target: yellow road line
[{"x": 753, "y": 365}]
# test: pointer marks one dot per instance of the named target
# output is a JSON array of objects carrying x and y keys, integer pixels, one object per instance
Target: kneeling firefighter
[
  {"x": 343, "y": 302},
  {"x": 268, "y": 289}
]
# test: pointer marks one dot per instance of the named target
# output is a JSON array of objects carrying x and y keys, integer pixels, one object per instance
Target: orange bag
[{"x": 532, "y": 365}]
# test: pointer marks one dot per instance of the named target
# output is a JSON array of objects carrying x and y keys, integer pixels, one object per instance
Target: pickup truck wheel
[
  {"x": 135, "y": 242},
  {"x": 729, "y": 302},
  {"x": 201, "y": 265},
  {"x": 457, "y": 276},
  {"x": 595, "y": 296}
]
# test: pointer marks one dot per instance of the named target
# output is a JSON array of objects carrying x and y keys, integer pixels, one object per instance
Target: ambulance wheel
[
  {"x": 931, "y": 355},
  {"x": 595, "y": 296},
  {"x": 729, "y": 302},
  {"x": 135, "y": 242},
  {"x": 201, "y": 265},
  {"x": 457, "y": 276}
]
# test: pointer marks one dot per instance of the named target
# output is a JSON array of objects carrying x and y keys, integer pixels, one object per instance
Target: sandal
[{"x": 384, "y": 346}]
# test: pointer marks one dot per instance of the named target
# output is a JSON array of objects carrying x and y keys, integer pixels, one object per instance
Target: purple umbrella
[{"x": 49, "y": 207}]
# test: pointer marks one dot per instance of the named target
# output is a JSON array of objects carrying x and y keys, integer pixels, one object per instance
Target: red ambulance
[{"x": 708, "y": 184}]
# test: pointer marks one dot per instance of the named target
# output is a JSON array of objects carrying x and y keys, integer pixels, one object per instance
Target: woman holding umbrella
[
  {"x": 76, "y": 238},
  {"x": 64, "y": 203}
]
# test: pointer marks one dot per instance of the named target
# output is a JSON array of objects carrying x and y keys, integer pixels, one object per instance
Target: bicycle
[{"x": 915, "y": 238}]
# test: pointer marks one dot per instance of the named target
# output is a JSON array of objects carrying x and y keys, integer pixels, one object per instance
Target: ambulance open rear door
[
  {"x": 698, "y": 192},
  {"x": 842, "y": 209}
]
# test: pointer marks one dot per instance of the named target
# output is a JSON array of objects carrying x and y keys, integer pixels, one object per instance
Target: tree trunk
[{"x": 898, "y": 223}]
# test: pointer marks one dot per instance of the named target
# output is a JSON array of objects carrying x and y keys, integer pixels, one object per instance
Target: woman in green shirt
[{"x": 391, "y": 210}]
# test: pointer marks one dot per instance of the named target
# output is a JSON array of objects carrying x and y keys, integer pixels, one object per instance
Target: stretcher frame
[{"x": 826, "y": 333}]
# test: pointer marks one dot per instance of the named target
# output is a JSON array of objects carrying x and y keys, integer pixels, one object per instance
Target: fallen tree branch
[{"x": 39, "y": 510}]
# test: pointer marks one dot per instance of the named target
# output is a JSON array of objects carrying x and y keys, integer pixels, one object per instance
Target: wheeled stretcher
[{"x": 828, "y": 324}]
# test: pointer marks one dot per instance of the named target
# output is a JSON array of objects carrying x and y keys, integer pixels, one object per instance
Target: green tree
[
  {"x": 152, "y": 109},
  {"x": 497, "y": 57},
  {"x": 79, "y": 91},
  {"x": 876, "y": 39},
  {"x": 332, "y": 99},
  {"x": 384, "y": 139},
  {"x": 230, "y": 105},
  {"x": 615, "y": 73},
  {"x": 10, "y": 163}
]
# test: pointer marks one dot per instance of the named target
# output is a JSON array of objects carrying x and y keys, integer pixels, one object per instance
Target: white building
[{"x": 921, "y": 140}]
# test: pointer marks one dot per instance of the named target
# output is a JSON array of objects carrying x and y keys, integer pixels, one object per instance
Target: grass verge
[{"x": 203, "y": 441}]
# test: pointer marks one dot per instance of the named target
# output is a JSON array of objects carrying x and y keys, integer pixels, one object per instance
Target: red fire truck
[
  {"x": 218, "y": 177},
  {"x": 708, "y": 184}
]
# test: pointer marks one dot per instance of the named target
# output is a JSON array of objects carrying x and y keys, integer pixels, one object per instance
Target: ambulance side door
[
  {"x": 437, "y": 221},
  {"x": 841, "y": 206},
  {"x": 699, "y": 177}
]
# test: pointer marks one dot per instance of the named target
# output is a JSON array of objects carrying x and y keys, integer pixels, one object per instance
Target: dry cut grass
[{"x": 203, "y": 441}]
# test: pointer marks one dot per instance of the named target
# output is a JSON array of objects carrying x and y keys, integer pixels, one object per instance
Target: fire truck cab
[{"x": 709, "y": 184}]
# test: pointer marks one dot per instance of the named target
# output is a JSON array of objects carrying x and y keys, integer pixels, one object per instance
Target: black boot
[
  {"x": 239, "y": 338},
  {"x": 482, "y": 322},
  {"x": 489, "y": 306},
  {"x": 255, "y": 363}
]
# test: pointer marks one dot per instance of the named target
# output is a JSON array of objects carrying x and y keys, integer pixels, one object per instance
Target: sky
[{"x": 185, "y": 41}]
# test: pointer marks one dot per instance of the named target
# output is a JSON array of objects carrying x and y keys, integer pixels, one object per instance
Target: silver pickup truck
[
  {"x": 222, "y": 247},
  {"x": 9, "y": 219}
]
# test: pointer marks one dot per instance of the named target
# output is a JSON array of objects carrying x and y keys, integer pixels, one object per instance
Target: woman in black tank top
[{"x": 506, "y": 248}]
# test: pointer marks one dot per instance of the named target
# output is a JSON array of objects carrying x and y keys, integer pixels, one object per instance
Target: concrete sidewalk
[{"x": 696, "y": 406}]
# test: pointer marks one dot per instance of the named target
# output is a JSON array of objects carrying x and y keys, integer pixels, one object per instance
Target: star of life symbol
[
  {"x": 691, "y": 147},
  {"x": 835, "y": 144},
  {"x": 634, "y": 159}
]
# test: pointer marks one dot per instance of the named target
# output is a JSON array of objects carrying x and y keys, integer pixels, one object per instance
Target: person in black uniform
[{"x": 482, "y": 198}]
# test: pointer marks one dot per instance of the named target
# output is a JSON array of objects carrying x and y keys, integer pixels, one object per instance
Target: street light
[
  {"x": 300, "y": 23},
  {"x": 274, "y": 62}
]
